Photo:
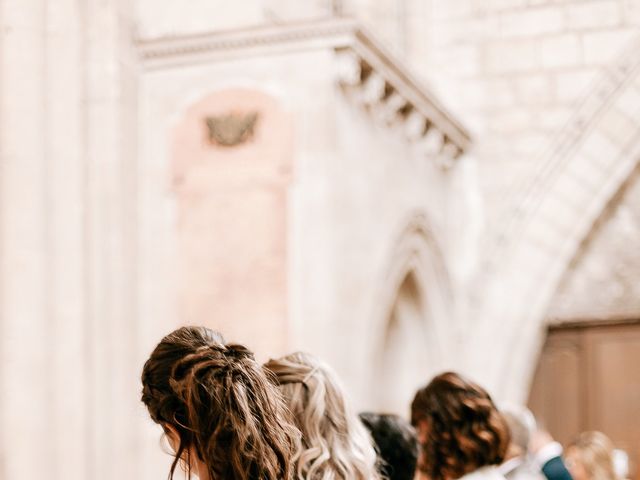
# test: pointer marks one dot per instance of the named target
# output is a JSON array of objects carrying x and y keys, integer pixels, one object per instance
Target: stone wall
[
  {"x": 603, "y": 280},
  {"x": 517, "y": 72},
  {"x": 91, "y": 272},
  {"x": 365, "y": 209},
  {"x": 516, "y": 69},
  {"x": 587, "y": 166},
  {"x": 67, "y": 295},
  {"x": 513, "y": 69}
]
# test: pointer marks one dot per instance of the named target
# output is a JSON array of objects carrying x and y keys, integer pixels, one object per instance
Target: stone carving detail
[
  {"x": 395, "y": 100},
  {"x": 366, "y": 71},
  {"x": 231, "y": 129}
]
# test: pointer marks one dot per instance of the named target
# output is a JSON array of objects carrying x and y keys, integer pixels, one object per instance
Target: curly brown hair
[
  {"x": 461, "y": 427},
  {"x": 222, "y": 405}
]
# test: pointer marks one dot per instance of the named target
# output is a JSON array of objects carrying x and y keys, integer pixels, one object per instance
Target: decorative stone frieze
[
  {"x": 366, "y": 72},
  {"x": 394, "y": 99}
]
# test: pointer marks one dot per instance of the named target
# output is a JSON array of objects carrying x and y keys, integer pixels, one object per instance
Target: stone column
[
  {"x": 24, "y": 270},
  {"x": 68, "y": 389},
  {"x": 62, "y": 134},
  {"x": 110, "y": 163}
]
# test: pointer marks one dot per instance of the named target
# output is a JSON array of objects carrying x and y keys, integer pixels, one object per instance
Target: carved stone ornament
[
  {"x": 391, "y": 95},
  {"x": 231, "y": 129},
  {"x": 366, "y": 71}
]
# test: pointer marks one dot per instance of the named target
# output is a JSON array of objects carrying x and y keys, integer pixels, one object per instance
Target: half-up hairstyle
[
  {"x": 594, "y": 451},
  {"x": 222, "y": 405},
  {"x": 459, "y": 427},
  {"x": 335, "y": 444}
]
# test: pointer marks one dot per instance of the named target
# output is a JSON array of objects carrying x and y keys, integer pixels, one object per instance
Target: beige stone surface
[
  {"x": 337, "y": 228},
  {"x": 604, "y": 277},
  {"x": 232, "y": 214}
]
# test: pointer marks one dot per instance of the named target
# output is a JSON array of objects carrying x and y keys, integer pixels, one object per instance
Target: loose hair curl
[
  {"x": 218, "y": 399},
  {"x": 464, "y": 430},
  {"x": 335, "y": 444}
]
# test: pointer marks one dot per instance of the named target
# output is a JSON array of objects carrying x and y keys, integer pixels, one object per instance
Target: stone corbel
[
  {"x": 395, "y": 109},
  {"x": 373, "y": 90},
  {"x": 392, "y": 104},
  {"x": 415, "y": 126},
  {"x": 450, "y": 150},
  {"x": 349, "y": 69},
  {"x": 449, "y": 153},
  {"x": 432, "y": 141}
]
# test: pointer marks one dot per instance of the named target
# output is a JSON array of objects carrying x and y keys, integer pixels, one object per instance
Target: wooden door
[{"x": 588, "y": 378}]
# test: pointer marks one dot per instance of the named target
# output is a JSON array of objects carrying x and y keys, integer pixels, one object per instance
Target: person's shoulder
[
  {"x": 527, "y": 471},
  {"x": 490, "y": 472}
]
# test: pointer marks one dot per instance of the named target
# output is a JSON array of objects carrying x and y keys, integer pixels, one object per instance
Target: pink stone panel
[{"x": 232, "y": 220}]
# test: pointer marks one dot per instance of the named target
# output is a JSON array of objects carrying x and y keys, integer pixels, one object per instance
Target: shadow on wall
[{"x": 403, "y": 351}]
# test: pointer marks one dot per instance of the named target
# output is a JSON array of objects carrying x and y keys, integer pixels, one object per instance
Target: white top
[
  {"x": 490, "y": 472},
  {"x": 521, "y": 468},
  {"x": 510, "y": 465},
  {"x": 546, "y": 453}
]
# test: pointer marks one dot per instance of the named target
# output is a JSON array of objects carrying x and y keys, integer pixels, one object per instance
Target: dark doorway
[{"x": 588, "y": 378}]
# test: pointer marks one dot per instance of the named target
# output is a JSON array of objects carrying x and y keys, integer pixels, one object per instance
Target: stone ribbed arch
[
  {"x": 415, "y": 260},
  {"x": 554, "y": 213}
]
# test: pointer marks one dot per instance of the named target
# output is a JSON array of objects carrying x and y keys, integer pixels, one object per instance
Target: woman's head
[
  {"x": 218, "y": 407},
  {"x": 335, "y": 444},
  {"x": 396, "y": 442},
  {"x": 459, "y": 427},
  {"x": 590, "y": 457}
]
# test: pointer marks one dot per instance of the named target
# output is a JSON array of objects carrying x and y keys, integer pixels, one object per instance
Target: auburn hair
[
  {"x": 224, "y": 408},
  {"x": 463, "y": 428}
]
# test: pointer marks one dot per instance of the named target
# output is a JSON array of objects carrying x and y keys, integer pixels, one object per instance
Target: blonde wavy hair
[
  {"x": 335, "y": 444},
  {"x": 595, "y": 452}
]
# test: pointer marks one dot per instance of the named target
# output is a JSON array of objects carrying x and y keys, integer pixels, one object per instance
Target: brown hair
[
  {"x": 595, "y": 452},
  {"x": 464, "y": 429},
  {"x": 222, "y": 405}
]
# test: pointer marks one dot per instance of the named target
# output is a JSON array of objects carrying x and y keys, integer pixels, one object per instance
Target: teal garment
[{"x": 555, "y": 469}]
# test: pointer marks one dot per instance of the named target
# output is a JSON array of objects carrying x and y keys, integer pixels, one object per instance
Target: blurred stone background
[{"x": 398, "y": 186}]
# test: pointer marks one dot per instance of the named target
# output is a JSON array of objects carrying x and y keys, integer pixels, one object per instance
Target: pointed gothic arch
[
  {"x": 586, "y": 166},
  {"x": 412, "y": 319}
]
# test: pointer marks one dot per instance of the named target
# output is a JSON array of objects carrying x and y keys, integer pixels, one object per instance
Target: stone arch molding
[
  {"x": 587, "y": 164},
  {"x": 417, "y": 258}
]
